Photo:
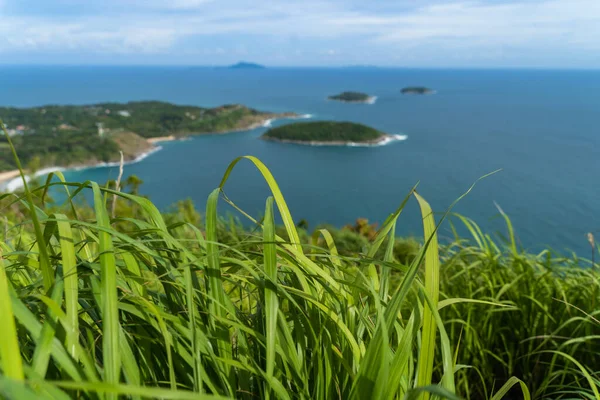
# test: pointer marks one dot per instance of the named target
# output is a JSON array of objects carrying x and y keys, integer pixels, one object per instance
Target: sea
[{"x": 538, "y": 130}]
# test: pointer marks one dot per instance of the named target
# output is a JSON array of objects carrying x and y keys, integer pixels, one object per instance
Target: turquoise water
[{"x": 539, "y": 127}]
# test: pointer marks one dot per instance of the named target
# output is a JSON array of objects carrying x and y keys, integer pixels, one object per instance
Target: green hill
[
  {"x": 325, "y": 132},
  {"x": 66, "y": 135}
]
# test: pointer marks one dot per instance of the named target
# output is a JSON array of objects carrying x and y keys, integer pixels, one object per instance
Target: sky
[{"x": 398, "y": 33}]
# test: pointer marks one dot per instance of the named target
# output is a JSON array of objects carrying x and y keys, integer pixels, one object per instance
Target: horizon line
[{"x": 343, "y": 66}]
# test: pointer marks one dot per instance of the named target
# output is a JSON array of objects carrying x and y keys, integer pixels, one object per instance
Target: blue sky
[{"x": 405, "y": 33}]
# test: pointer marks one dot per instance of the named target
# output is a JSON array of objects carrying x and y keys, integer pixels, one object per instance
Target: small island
[
  {"x": 246, "y": 65},
  {"x": 328, "y": 133},
  {"x": 353, "y": 97},
  {"x": 417, "y": 90}
]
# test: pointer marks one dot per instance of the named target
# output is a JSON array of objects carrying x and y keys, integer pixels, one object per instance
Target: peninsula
[
  {"x": 328, "y": 133},
  {"x": 353, "y": 97},
  {"x": 417, "y": 90},
  {"x": 75, "y": 136}
]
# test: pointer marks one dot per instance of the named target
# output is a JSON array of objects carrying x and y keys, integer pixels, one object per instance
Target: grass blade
[
  {"x": 110, "y": 307},
  {"x": 10, "y": 355},
  {"x": 44, "y": 259},
  {"x": 271, "y": 300},
  {"x": 508, "y": 385},
  {"x": 71, "y": 281},
  {"x": 432, "y": 277}
]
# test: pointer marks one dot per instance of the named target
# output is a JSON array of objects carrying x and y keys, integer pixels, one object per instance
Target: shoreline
[
  {"x": 266, "y": 123},
  {"x": 10, "y": 185},
  {"x": 159, "y": 139},
  {"x": 11, "y": 180},
  {"x": 369, "y": 100},
  {"x": 385, "y": 140}
]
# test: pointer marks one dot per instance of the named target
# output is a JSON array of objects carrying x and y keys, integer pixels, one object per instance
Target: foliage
[
  {"x": 545, "y": 294},
  {"x": 147, "y": 118},
  {"x": 65, "y": 148},
  {"x": 324, "y": 131}
]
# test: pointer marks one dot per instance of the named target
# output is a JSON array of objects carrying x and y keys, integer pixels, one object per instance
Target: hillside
[
  {"x": 324, "y": 132},
  {"x": 72, "y": 135}
]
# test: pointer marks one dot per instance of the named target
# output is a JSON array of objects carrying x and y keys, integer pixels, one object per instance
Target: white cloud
[
  {"x": 32, "y": 35},
  {"x": 167, "y": 4},
  {"x": 548, "y": 23},
  {"x": 460, "y": 27}
]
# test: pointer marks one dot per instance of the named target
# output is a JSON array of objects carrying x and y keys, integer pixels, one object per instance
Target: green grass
[{"x": 151, "y": 305}]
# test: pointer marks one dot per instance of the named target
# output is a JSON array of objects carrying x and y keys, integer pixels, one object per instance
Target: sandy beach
[
  {"x": 159, "y": 139},
  {"x": 8, "y": 175}
]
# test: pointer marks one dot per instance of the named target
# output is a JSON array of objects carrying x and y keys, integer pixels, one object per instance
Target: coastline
[
  {"x": 265, "y": 123},
  {"x": 369, "y": 100},
  {"x": 159, "y": 139},
  {"x": 385, "y": 140},
  {"x": 11, "y": 180},
  {"x": 12, "y": 184}
]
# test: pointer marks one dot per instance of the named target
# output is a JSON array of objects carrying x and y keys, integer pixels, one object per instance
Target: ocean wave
[
  {"x": 269, "y": 123},
  {"x": 117, "y": 163},
  {"x": 302, "y": 116},
  {"x": 387, "y": 140},
  {"x": 17, "y": 183}
]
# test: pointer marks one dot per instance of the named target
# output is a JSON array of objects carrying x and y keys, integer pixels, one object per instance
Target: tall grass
[
  {"x": 137, "y": 307},
  {"x": 552, "y": 305}
]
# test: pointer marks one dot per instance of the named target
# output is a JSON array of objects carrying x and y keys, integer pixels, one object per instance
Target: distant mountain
[{"x": 246, "y": 65}]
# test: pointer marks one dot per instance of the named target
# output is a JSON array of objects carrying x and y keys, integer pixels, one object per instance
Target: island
[
  {"x": 417, "y": 90},
  {"x": 328, "y": 133},
  {"x": 353, "y": 97},
  {"x": 85, "y": 135},
  {"x": 246, "y": 65}
]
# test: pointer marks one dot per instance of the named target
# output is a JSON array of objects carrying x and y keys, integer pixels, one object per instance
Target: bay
[{"x": 539, "y": 127}]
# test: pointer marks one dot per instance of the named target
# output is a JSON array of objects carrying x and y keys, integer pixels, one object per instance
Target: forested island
[
  {"x": 352, "y": 97},
  {"x": 326, "y": 133},
  {"x": 417, "y": 90},
  {"x": 90, "y": 134}
]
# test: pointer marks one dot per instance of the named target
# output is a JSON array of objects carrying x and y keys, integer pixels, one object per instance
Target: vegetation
[
  {"x": 74, "y": 135},
  {"x": 324, "y": 132},
  {"x": 120, "y": 301},
  {"x": 351, "y": 97},
  {"x": 58, "y": 148},
  {"x": 416, "y": 90}
]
